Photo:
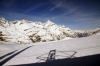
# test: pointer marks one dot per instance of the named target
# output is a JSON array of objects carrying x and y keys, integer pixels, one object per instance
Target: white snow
[
  {"x": 49, "y": 36},
  {"x": 24, "y": 31},
  {"x": 83, "y": 46}
]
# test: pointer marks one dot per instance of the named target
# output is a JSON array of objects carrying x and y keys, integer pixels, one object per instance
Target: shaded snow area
[
  {"x": 16, "y": 54},
  {"x": 25, "y": 32}
]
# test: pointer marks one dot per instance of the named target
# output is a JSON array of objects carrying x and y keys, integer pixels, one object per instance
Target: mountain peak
[
  {"x": 3, "y": 20},
  {"x": 24, "y": 19},
  {"x": 48, "y": 23},
  {"x": 49, "y": 20}
]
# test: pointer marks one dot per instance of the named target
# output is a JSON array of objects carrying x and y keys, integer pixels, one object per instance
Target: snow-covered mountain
[{"x": 24, "y": 31}]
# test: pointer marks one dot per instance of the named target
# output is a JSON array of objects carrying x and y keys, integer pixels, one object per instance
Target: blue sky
[{"x": 75, "y": 14}]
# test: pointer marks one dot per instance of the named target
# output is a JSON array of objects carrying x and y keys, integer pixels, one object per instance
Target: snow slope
[{"x": 82, "y": 46}]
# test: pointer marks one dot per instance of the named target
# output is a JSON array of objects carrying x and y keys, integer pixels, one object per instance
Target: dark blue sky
[{"x": 76, "y": 14}]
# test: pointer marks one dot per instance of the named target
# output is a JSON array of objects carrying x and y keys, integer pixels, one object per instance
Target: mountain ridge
[{"x": 24, "y": 31}]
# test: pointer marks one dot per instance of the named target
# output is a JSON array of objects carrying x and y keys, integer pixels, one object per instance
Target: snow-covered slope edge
[{"x": 24, "y": 31}]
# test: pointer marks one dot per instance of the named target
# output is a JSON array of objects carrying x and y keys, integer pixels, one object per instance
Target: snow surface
[{"x": 83, "y": 46}]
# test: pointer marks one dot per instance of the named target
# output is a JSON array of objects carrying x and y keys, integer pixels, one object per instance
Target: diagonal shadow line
[
  {"x": 7, "y": 59},
  {"x": 61, "y": 56},
  {"x": 69, "y": 54},
  {"x": 73, "y": 54},
  {"x": 39, "y": 57},
  {"x": 7, "y": 54},
  {"x": 65, "y": 53},
  {"x": 42, "y": 59},
  {"x": 42, "y": 55}
]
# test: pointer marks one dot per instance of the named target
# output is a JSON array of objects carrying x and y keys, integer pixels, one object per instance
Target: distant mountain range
[{"x": 24, "y": 31}]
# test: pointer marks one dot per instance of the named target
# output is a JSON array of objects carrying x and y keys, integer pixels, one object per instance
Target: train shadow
[{"x": 92, "y": 60}]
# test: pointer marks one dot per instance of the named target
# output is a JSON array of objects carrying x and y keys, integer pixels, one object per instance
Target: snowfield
[{"x": 82, "y": 46}]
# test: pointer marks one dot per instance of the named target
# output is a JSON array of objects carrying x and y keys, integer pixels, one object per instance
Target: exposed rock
[{"x": 24, "y": 31}]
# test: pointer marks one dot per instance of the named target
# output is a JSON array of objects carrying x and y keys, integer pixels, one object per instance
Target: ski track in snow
[{"x": 83, "y": 46}]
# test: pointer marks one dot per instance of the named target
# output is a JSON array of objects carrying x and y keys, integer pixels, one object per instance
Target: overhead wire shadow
[
  {"x": 7, "y": 54},
  {"x": 7, "y": 59},
  {"x": 70, "y": 55}
]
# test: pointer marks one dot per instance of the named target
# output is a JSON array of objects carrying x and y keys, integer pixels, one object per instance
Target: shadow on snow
[
  {"x": 7, "y": 59},
  {"x": 92, "y": 60},
  {"x": 7, "y": 54}
]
